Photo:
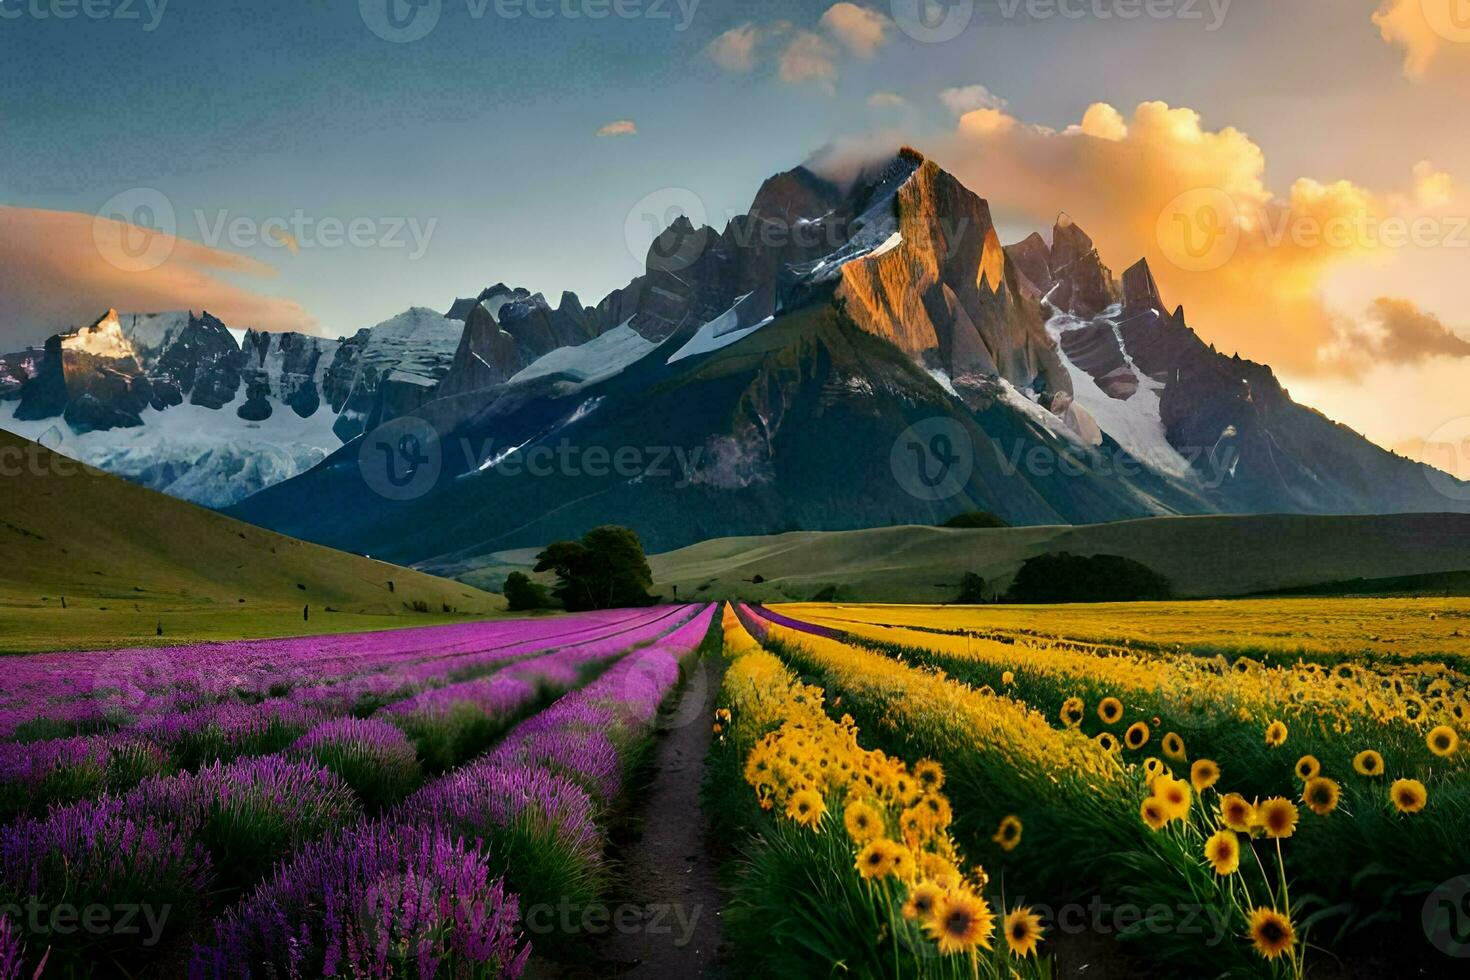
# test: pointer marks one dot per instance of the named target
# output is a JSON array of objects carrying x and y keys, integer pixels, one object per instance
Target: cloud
[
  {"x": 1160, "y": 185},
  {"x": 1406, "y": 334},
  {"x": 620, "y": 127},
  {"x": 58, "y": 277},
  {"x": 887, "y": 100},
  {"x": 1403, "y": 22},
  {"x": 809, "y": 58},
  {"x": 734, "y": 50},
  {"x": 860, "y": 29},
  {"x": 969, "y": 98}
]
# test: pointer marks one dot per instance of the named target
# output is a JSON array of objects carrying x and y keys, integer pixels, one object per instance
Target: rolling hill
[
  {"x": 127, "y": 559},
  {"x": 1207, "y": 556}
]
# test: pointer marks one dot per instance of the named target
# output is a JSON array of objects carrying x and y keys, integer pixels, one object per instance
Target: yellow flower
[
  {"x": 1307, "y": 767},
  {"x": 1023, "y": 931},
  {"x": 1072, "y": 710},
  {"x": 1443, "y": 740},
  {"x": 1278, "y": 816},
  {"x": 1008, "y": 835},
  {"x": 938, "y": 870},
  {"x": 1276, "y": 734},
  {"x": 1321, "y": 795},
  {"x": 806, "y": 808},
  {"x": 903, "y": 863},
  {"x": 1152, "y": 769},
  {"x": 1271, "y": 933},
  {"x": 930, "y": 775},
  {"x": 1408, "y": 795},
  {"x": 1153, "y": 813},
  {"x": 1237, "y": 813},
  {"x": 962, "y": 923},
  {"x": 876, "y": 859},
  {"x": 1173, "y": 794},
  {"x": 923, "y": 901},
  {"x": 1136, "y": 737},
  {"x": 1110, "y": 710},
  {"x": 1204, "y": 774},
  {"x": 1174, "y": 747},
  {"x": 1008, "y": 677},
  {"x": 1368, "y": 763},
  {"x": 1108, "y": 742},
  {"x": 1222, "y": 850}
]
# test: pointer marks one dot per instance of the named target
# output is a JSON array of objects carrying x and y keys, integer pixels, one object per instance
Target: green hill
[
  {"x": 1201, "y": 556},
  {"x": 126, "y": 559}
]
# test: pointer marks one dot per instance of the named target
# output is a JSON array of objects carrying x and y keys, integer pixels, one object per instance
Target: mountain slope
[
  {"x": 1201, "y": 556},
  {"x": 126, "y": 559}
]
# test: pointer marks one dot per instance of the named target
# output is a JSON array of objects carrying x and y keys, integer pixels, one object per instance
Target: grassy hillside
[
  {"x": 1201, "y": 556},
  {"x": 125, "y": 559}
]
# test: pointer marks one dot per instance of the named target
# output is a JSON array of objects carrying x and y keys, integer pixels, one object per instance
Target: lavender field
[{"x": 385, "y": 804}]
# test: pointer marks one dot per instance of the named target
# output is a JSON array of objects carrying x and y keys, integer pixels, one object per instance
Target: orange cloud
[
  {"x": 809, "y": 58},
  {"x": 1248, "y": 264},
  {"x": 860, "y": 29},
  {"x": 1425, "y": 29},
  {"x": 620, "y": 127},
  {"x": 61, "y": 270}
]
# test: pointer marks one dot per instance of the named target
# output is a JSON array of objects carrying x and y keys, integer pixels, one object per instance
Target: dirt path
[{"x": 668, "y": 872}]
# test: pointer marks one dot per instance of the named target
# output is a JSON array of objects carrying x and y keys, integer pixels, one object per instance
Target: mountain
[
  {"x": 174, "y": 402},
  {"x": 128, "y": 560}
]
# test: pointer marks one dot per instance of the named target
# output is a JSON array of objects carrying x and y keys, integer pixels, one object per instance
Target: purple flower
[
  {"x": 373, "y": 757},
  {"x": 380, "y": 899},
  {"x": 11, "y": 951}
]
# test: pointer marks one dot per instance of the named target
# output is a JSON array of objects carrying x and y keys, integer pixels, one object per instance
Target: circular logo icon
[
  {"x": 1446, "y": 917},
  {"x": 401, "y": 460},
  {"x": 1199, "y": 230},
  {"x": 401, "y": 21},
  {"x": 932, "y": 21},
  {"x": 933, "y": 459},
  {"x": 1450, "y": 19},
  {"x": 135, "y": 230},
  {"x": 676, "y": 244},
  {"x": 134, "y": 682},
  {"x": 1447, "y": 451}
]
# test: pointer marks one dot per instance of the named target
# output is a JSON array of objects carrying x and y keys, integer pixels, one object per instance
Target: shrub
[
  {"x": 373, "y": 757},
  {"x": 1064, "y": 577},
  {"x": 972, "y": 590},
  {"x": 975, "y": 519},
  {"x": 521, "y": 593}
]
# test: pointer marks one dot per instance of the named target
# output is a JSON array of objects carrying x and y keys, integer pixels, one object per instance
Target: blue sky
[{"x": 484, "y": 134}]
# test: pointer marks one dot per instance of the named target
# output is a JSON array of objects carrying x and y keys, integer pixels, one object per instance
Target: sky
[{"x": 326, "y": 164}]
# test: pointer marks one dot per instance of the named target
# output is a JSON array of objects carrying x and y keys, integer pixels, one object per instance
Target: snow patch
[
  {"x": 598, "y": 359},
  {"x": 722, "y": 331}
]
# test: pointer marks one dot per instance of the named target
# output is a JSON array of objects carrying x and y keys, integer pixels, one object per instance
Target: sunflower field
[{"x": 940, "y": 791}]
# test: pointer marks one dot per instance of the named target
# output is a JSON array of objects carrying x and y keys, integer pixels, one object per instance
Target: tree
[
  {"x": 974, "y": 519},
  {"x": 1064, "y": 577},
  {"x": 972, "y": 590},
  {"x": 605, "y": 570},
  {"x": 522, "y": 593}
]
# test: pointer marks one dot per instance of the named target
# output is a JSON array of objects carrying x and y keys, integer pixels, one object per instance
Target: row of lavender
[
  {"x": 448, "y": 719},
  {"x": 401, "y": 891}
]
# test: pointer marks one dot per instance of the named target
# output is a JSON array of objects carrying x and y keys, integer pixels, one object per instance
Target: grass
[
  {"x": 89, "y": 560},
  {"x": 1202, "y": 557}
]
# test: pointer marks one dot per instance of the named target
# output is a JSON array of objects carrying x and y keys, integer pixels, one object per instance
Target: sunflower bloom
[
  {"x": 806, "y": 808},
  {"x": 1307, "y": 767},
  {"x": 1276, "y": 734},
  {"x": 1008, "y": 677},
  {"x": 1174, "y": 795},
  {"x": 1237, "y": 813},
  {"x": 1023, "y": 931},
  {"x": 1110, "y": 710},
  {"x": 1204, "y": 774},
  {"x": 922, "y": 903},
  {"x": 1271, "y": 933},
  {"x": 1321, "y": 795},
  {"x": 876, "y": 859},
  {"x": 862, "y": 821},
  {"x": 962, "y": 924},
  {"x": 1153, "y": 813},
  {"x": 1108, "y": 742},
  {"x": 1278, "y": 816},
  {"x": 1008, "y": 835},
  {"x": 1408, "y": 795},
  {"x": 1222, "y": 850},
  {"x": 1136, "y": 737},
  {"x": 1368, "y": 763},
  {"x": 1174, "y": 747},
  {"x": 1072, "y": 710},
  {"x": 1443, "y": 740},
  {"x": 930, "y": 775}
]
